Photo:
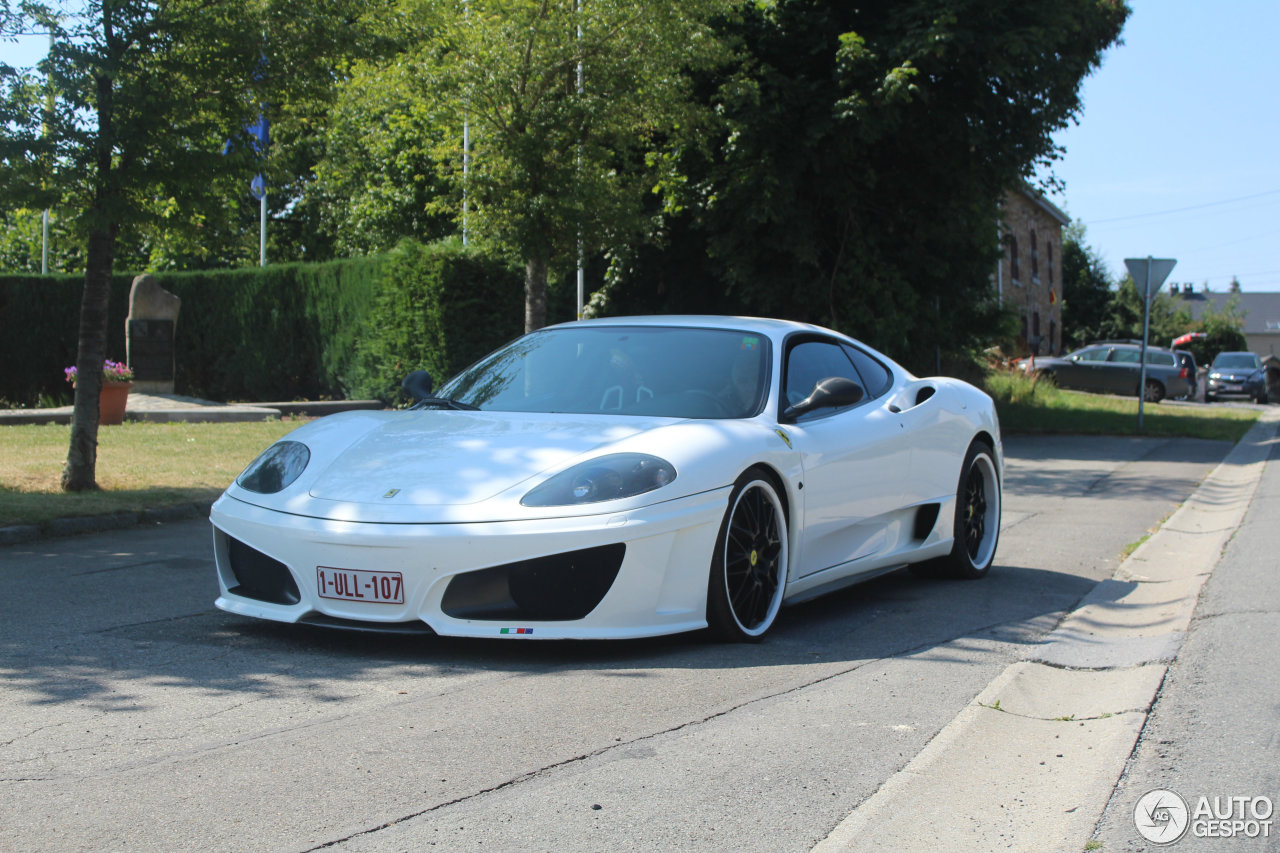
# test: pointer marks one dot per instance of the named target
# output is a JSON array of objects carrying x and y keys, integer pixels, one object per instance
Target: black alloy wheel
[
  {"x": 976, "y": 529},
  {"x": 749, "y": 566}
]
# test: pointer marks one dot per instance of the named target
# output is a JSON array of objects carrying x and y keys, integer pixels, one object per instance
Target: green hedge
[
  {"x": 39, "y": 329},
  {"x": 344, "y": 329},
  {"x": 443, "y": 307}
]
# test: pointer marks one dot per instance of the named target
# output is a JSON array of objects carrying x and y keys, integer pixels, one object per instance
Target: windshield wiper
[{"x": 444, "y": 403}]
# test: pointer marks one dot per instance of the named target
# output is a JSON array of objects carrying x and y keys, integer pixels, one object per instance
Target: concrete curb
[
  {"x": 161, "y": 408},
  {"x": 18, "y": 534},
  {"x": 1032, "y": 761}
]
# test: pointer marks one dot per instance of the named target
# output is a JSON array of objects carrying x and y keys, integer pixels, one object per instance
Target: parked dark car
[
  {"x": 1113, "y": 367},
  {"x": 1237, "y": 374}
]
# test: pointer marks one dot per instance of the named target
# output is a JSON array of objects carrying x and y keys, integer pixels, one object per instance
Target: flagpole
[
  {"x": 581, "y": 274},
  {"x": 262, "y": 230}
]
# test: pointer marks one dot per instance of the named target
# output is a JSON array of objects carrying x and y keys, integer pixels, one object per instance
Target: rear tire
[
  {"x": 749, "y": 565},
  {"x": 1154, "y": 391},
  {"x": 977, "y": 520}
]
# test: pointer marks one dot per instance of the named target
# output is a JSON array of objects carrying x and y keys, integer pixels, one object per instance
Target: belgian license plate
[
  {"x": 359, "y": 585},
  {"x": 1232, "y": 386}
]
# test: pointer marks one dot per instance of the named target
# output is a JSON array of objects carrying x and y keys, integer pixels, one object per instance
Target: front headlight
[
  {"x": 621, "y": 475},
  {"x": 276, "y": 469}
]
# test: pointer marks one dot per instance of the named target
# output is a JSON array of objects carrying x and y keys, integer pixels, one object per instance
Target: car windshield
[
  {"x": 1236, "y": 361},
  {"x": 630, "y": 370}
]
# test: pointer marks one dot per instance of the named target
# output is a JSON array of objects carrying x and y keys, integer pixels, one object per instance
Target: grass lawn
[
  {"x": 1028, "y": 406},
  {"x": 140, "y": 466}
]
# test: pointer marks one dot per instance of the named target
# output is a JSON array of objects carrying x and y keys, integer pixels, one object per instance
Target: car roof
[
  {"x": 763, "y": 325},
  {"x": 1130, "y": 344}
]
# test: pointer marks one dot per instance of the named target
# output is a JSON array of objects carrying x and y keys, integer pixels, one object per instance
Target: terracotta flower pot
[{"x": 111, "y": 402}]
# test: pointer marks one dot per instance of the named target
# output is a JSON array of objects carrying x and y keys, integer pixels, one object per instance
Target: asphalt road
[{"x": 134, "y": 715}]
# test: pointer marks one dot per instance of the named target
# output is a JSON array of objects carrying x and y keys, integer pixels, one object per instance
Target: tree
[
  {"x": 146, "y": 94},
  {"x": 554, "y": 167},
  {"x": 1223, "y": 331},
  {"x": 1086, "y": 289},
  {"x": 1169, "y": 317},
  {"x": 864, "y": 151},
  {"x": 21, "y": 242}
]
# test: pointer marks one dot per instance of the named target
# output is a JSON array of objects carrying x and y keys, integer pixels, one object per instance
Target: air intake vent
[
  {"x": 259, "y": 576},
  {"x": 551, "y": 589}
]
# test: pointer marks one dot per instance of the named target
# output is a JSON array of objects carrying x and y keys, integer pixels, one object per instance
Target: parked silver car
[{"x": 1114, "y": 367}]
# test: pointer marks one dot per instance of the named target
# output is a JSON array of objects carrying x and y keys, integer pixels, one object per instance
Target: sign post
[{"x": 1148, "y": 275}]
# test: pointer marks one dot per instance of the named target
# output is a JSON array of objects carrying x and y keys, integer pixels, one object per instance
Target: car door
[
  {"x": 855, "y": 459},
  {"x": 1123, "y": 371},
  {"x": 1084, "y": 369}
]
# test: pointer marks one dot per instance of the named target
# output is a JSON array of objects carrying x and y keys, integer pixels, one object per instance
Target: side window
[
  {"x": 1095, "y": 354},
  {"x": 1164, "y": 358},
  {"x": 876, "y": 378},
  {"x": 808, "y": 363},
  {"x": 1126, "y": 356}
]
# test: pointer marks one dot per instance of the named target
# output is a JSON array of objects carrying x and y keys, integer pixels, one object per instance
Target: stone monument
[{"x": 153, "y": 317}]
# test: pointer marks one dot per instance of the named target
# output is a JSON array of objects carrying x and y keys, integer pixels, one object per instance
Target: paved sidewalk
[
  {"x": 167, "y": 408},
  {"x": 1032, "y": 762}
]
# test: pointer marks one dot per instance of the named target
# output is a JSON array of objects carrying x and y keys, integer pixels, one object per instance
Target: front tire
[{"x": 749, "y": 565}]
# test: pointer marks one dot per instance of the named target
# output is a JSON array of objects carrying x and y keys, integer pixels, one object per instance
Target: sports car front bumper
[{"x": 486, "y": 571}]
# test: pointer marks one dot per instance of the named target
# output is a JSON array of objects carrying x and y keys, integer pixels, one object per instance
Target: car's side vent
[
  {"x": 926, "y": 518},
  {"x": 924, "y": 394}
]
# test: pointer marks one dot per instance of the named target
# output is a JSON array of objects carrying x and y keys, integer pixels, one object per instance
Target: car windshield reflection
[{"x": 626, "y": 370}]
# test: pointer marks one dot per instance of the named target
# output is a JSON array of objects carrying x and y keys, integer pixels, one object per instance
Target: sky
[
  {"x": 1177, "y": 150},
  {"x": 1176, "y": 153}
]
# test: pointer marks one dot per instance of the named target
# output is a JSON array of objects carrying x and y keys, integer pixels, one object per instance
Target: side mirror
[
  {"x": 418, "y": 385},
  {"x": 830, "y": 393}
]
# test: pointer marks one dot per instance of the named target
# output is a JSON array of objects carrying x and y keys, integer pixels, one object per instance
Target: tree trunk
[
  {"x": 535, "y": 294},
  {"x": 80, "y": 473}
]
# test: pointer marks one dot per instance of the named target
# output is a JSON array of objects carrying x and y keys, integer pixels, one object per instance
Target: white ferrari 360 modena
[{"x": 618, "y": 478}]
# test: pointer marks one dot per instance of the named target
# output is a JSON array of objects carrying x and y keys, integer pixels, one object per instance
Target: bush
[
  {"x": 39, "y": 331},
  {"x": 342, "y": 329},
  {"x": 275, "y": 333},
  {"x": 439, "y": 308}
]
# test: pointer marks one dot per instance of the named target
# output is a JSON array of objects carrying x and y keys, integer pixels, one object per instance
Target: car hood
[
  {"x": 440, "y": 458},
  {"x": 1233, "y": 374},
  {"x": 437, "y": 466}
]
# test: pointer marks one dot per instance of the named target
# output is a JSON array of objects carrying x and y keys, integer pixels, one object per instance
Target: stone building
[{"x": 1029, "y": 275}]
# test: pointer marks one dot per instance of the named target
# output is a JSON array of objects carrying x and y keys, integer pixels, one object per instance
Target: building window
[
  {"x": 1048, "y": 247},
  {"x": 1035, "y": 258},
  {"x": 1015, "y": 270}
]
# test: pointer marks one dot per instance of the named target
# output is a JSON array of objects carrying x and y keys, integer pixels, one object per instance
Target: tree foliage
[
  {"x": 1169, "y": 316},
  {"x": 552, "y": 165},
  {"x": 145, "y": 92},
  {"x": 864, "y": 150},
  {"x": 1086, "y": 289},
  {"x": 1223, "y": 331}
]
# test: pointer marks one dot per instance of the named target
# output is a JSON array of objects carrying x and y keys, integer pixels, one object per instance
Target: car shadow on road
[{"x": 208, "y": 650}]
